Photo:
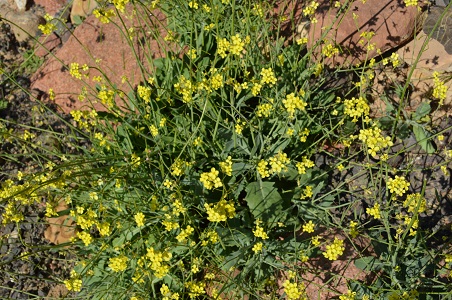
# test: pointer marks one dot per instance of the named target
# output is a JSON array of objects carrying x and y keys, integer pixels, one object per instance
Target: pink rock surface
[
  {"x": 93, "y": 41},
  {"x": 46, "y": 44},
  {"x": 392, "y": 22},
  {"x": 51, "y": 6}
]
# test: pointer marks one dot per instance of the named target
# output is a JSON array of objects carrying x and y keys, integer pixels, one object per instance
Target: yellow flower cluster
[
  {"x": 268, "y": 76},
  {"x": 234, "y": 47},
  {"x": 193, "y": 4},
  {"x": 216, "y": 81},
  {"x": 334, "y": 250},
  {"x": 262, "y": 168},
  {"x": 307, "y": 193},
  {"x": 178, "y": 167},
  {"x": 398, "y": 185},
  {"x": 257, "y": 247},
  {"x": 120, "y": 4},
  {"x": 414, "y": 201},
  {"x": 330, "y": 50},
  {"x": 310, "y": 9},
  {"x": 104, "y": 15},
  {"x": 374, "y": 211},
  {"x": 356, "y": 108},
  {"x": 255, "y": 90},
  {"x": 167, "y": 294},
  {"x": 210, "y": 179},
  {"x": 106, "y": 97},
  {"x": 259, "y": 231},
  {"x": 85, "y": 219},
  {"x": 118, "y": 263},
  {"x": 211, "y": 236},
  {"x": 279, "y": 163},
  {"x": 294, "y": 291},
  {"x": 292, "y": 103},
  {"x": 74, "y": 283},
  {"x": 139, "y": 219},
  {"x": 348, "y": 296},
  {"x": 104, "y": 228},
  {"x": 374, "y": 140},
  {"x": 74, "y": 70},
  {"x": 145, "y": 93},
  {"x": 85, "y": 118},
  {"x": 85, "y": 237},
  {"x": 226, "y": 166},
  {"x": 410, "y": 2},
  {"x": 196, "y": 289},
  {"x": 306, "y": 163},
  {"x": 394, "y": 60},
  {"x": 264, "y": 110},
  {"x": 353, "y": 230},
  {"x": 309, "y": 227},
  {"x": 158, "y": 261},
  {"x": 439, "y": 88},
  {"x": 184, "y": 233},
  {"x": 186, "y": 88},
  {"x": 221, "y": 211},
  {"x": 258, "y": 10},
  {"x": 48, "y": 27}
]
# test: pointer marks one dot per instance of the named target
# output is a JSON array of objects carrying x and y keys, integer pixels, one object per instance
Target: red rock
[
  {"x": 51, "y": 6},
  {"x": 392, "y": 22},
  {"x": 46, "y": 44},
  {"x": 93, "y": 40}
]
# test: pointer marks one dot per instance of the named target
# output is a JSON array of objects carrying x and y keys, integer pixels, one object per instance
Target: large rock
[
  {"x": 93, "y": 41},
  {"x": 24, "y": 24},
  {"x": 52, "y": 7},
  {"x": 392, "y": 22}
]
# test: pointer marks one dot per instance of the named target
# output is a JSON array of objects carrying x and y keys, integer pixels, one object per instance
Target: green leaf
[
  {"x": 369, "y": 263},
  {"x": 423, "y": 138},
  {"x": 422, "y": 110},
  {"x": 264, "y": 201}
]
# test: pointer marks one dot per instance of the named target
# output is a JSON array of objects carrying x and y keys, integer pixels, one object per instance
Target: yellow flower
[
  {"x": 374, "y": 140},
  {"x": 334, "y": 250},
  {"x": 226, "y": 166},
  {"x": 292, "y": 103},
  {"x": 74, "y": 70},
  {"x": 139, "y": 219},
  {"x": 439, "y": 89},
  {"x": 410, "y": 2},
  {"x": 118, "y": 263},
  {"x": 211, "y": 179},
  {"x": 356, "y": 108},
  {"x": 193, "y": 4},
  {"x": 398, "y": 185},
  {"x": 73, "y": 284},
  {"x": 268, "y": 76},
  {"x": 104, "y": 15},
  {"x": 374, "y": 211},
  {"x": 221, "y": 211},
  {"x": 309, "y": 227},
  {"x": 257, "y": 247},
  {"x": 294, "y": 291},
  {"x": 183, "y": 235},
  {"x": 259, "y": 231}
]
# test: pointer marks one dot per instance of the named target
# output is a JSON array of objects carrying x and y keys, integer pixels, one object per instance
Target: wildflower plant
[{"x": 209, "y": 167}]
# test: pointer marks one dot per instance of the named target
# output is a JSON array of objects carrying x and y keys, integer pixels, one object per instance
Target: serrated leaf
[
  {"x": 264, "y": 201},
  {"x": 422, "y": 138}
]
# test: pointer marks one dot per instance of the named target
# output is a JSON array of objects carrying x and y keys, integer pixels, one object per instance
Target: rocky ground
[{"x": 30, "y": 265}]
